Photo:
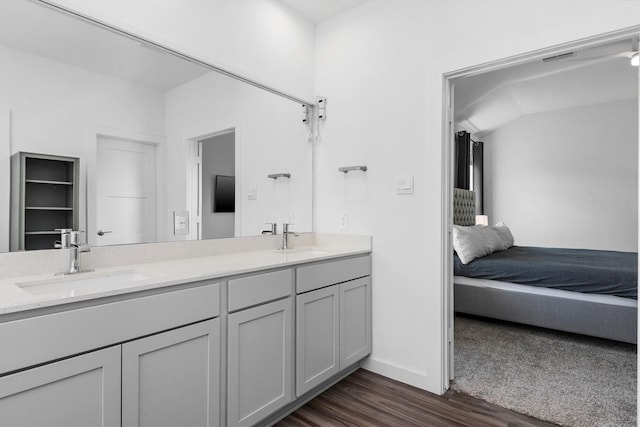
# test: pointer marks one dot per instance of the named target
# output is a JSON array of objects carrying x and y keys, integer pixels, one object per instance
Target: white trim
[
  {"x": 447, "y": 159},
  {"x": 5, "y": 179},
  {"x": 398, "y": 373},
  {"x": 192, "y": 191},
  {"x": 194, "y": 198},
  {"x": 448, "y": 130}
]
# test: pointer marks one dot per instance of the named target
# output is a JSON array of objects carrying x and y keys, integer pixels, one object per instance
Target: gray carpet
[{"x": 568, "y": 379}]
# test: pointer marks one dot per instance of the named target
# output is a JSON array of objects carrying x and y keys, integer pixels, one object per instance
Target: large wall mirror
[{"x": 168, "y": 149}]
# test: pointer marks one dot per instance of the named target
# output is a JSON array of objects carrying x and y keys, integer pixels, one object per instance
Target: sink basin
[{"x": 84, "y": 283}]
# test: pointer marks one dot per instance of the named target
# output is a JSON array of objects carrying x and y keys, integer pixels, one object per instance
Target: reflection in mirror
[{"x": 151, "y": 130}]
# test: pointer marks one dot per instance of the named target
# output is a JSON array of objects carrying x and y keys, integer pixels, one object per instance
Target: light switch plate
[
  {"x": 180, "y": 223},
  {"x": 404, "y": 184},
  {"x": 252, "y": 193},
  {"x": 344, "y": 221}
]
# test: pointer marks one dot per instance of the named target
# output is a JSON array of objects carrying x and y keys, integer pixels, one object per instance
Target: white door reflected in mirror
[{"x": 126, "y": 201}]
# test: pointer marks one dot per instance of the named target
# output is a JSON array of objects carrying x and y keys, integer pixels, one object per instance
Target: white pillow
[
  {"x": 492, "y": 240},
  {"x": 468, "y": 242},
  {"x": 504, "y": 233}
]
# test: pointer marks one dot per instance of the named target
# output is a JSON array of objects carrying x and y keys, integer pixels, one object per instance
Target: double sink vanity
[
  {"x": 231, "y": 333},
  {"x": 189, "y": 329}
]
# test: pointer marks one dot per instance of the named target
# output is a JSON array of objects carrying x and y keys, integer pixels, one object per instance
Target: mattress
[{"x": 576, "y": 270}]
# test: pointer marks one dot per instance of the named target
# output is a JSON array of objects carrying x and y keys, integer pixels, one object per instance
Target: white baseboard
[{"x": 413, "y": 378}]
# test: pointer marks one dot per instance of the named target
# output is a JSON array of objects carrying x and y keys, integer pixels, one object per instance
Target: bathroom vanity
[
  {"x": 185, "y": 331},
  {"x": 237, "y": 339}
]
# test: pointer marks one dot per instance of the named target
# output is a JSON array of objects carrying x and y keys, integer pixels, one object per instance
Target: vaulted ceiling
[
  {"x": 600, "y": 74},
  {"x": 483, "y": 102},
  {"x": 33, "y": 29},
  {"x": 317, "y": 11},
  {"x": 22, "y": 24}
]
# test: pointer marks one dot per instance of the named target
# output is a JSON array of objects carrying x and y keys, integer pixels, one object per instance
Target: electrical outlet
[
  {"x": 344, "y": 221},
  {"x": 180, "y": 223}
]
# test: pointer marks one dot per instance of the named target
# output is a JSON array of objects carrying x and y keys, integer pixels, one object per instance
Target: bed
[{"x": 574, "y": 290}]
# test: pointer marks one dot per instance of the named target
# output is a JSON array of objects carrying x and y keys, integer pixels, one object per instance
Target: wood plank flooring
[{"x": 368, "y": 399}]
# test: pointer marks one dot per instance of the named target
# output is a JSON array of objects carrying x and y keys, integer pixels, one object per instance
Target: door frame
[
  {"x": 194, "y": 182},
  {"x": 5, "y": 181},
  {"x": 448, "y": 134},
  {"x": 159, "y": 142}
]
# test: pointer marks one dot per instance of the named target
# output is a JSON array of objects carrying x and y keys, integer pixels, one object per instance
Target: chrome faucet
[
  {"x": 273, "y": 230},
  {"x": 285, "y": 235},
  {"x": 69, "y": 239}
]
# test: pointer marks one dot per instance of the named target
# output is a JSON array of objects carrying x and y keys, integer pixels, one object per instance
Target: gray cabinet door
[
  {"x": 173, "y": 378},
  {"x": 79, "y": 391},
  {"x": 316, "y": 337},
  {"x": 259, "y": 362},
  {"x": 355, "y": 321}
]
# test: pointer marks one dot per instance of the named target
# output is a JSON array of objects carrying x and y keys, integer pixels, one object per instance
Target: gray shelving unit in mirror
[{"x": 44, "y": 198}]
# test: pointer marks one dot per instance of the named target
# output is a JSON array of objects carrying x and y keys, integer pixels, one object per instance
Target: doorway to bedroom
[
  {"x": 561, "y": 170},
  {"x": 211, "y": 185},
  {"x": 217, "y": 185}
]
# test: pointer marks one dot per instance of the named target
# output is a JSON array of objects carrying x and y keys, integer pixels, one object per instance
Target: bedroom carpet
[{"x": 568, "y": 379}]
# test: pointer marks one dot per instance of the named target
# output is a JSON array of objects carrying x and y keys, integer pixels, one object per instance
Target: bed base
[{"x": 598, "y": 319}]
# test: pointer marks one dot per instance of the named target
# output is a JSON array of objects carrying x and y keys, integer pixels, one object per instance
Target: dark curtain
[
  {"x": 478, "y": 175},
  {"x": 462, "y": 161},
  {"x": 470, "y": 153}
]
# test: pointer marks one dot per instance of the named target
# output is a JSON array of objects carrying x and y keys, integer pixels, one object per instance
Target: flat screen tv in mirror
[{"x": 224, "y": 193}]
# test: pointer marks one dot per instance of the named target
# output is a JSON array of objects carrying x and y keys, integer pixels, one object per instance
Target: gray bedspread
[{"x": 579, "y": 270}]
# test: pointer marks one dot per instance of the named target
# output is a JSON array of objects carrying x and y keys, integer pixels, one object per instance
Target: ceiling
[
  {"x": 599, "y": 74},
  {"x": 483, "y": 102},
  {"x": 317, "y": 11},
  {"x": 31, "y": 28}
]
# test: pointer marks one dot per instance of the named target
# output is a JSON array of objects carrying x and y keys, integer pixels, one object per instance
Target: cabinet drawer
[
  {"x": 317, "y": 276},
  {"x": 253, "y": 290},
  {"x": 57, "y": 335}
]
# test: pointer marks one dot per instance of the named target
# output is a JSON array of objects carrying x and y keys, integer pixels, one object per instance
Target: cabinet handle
[{"x": 102, "y": 233}]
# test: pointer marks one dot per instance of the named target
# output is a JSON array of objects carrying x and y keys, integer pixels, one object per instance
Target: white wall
[
  {"x": 269, "y": 137},
  {"x": 258, "y": 39},
  {"x": 380, "y": 65},
  {"x": 56, "y": 109},
  {"x": 53, "y": 104},
  {"x": 567, "y": 178}
]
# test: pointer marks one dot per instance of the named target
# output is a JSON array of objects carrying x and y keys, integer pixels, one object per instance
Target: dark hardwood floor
[{"x": 368, "y": 399}]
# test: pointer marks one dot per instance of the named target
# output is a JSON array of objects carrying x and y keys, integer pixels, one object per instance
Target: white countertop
[{"x": 17, "y": 293}]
